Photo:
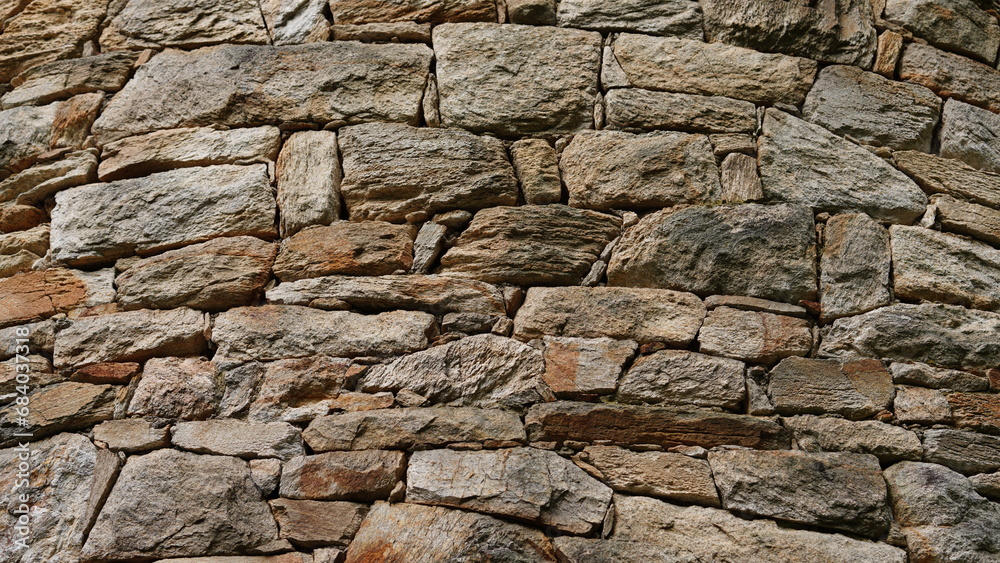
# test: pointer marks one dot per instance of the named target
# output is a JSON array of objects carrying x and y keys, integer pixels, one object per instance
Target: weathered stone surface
[
  {"x": 337, "y": 82},
  {"x": 660, "y": 474},
  {"x": 754, "y": 304},
  {"x": 33, "y": 296},
  {"x": 628, "y": 425},
  {"x": 299, "y": 389},
  {"x": 643, "y": 315},
  {"x": 434, "y": 294},
  {"x": 395, "y": 32},
  {"x": 366, "y": 11},
  {"x": 634, "y": 108},
  {"x": 833, "y": 32},
  {"x": 308, "y": 181},
  {"x": 886, "y": 442},
  {"x": 516, "y": 80},
  {"x": 537, "y": 169},
  {"x": 976, "y": 411},
  {"x": 211, "y": 498},
  {"x": 987, "y": 485},
  {"x": 854, "y": 266},
  {"x": 524, "y": 483},
  {"x": 951, "y": 76},
  {"x": 579, "y": 550},
  {"x": 890, "y": 48},
  {"x": 854, "y": 389},
  {"x": 183, "y": 23},
  {"x": 948, "y": 335},
  {"x": 15, "y": 217},
  {"x": 873, "y": 110},
  {"x": 941, "y": 515},
  {"x": 949, "y": 176},
  {"x": 413, "y": 428},
  {"x": 697, "y": 533},
  {"x": 371, "y": 248},
  {"x": 239, "y": 438},
  {"x": 34, "y": 185},
  {"x": 966, "y": 218},
  {"x": 679, "y": 377},
  {"x": 427, "y": 246},
  {"x": 181, "y": 148},
  {"x": 131, "y": 435},
  {"x": 968, "y": 452},
  {"x": 740, "y": 181},
  {"x": 182, "y": 388},
  {"x": 40, "y": 31},
  {"x": 39, "y": 370},
  {"x": 392, "y": 170},
  {"x": 212, "y": 276},
  {"x": 68, "y": 475},
  {"x": 754, "y": 250},
  {"x": 248, "y": 333},
  {"x": 937, "y": 378},
  {"x": 34, "y": 241},
  {"x": 27, "y": 132},
  {"x": 364, "y": 476},
  {"x": 969, "y": 134},
  {"x": 58, "y": 407},
  {"x": 532, "y": 12},
  {"x": 530, "y": 245},
  {"x": 710, "y": 69},
  {"x": 21, "y": 261},
  {"x": 97, "y": 223},
  {"x": 953, "y": 25},
  {"x": 676, "y": 18},
  {"x": 934, "y": 266},
  {"x": 584, "y": 366},
  {"x": 61, "y": 79},
  {"x": 485, "y": 370},
  {"x": 843, "y": 491},
  {"x": 412, "y": 532},
  {"x": 312, "y": 523},
  {"x": 114, "y": 373},
  {"x": 41, "y": 338},
  {"x": 131, "y": 336},
  {"x": 295, "y": 21},
  {"x": 618, "y": 170},
  {"x": 753, "y": 336},
  {"x": 920, "y": 406},
  {"x": 806, "y": 164}
]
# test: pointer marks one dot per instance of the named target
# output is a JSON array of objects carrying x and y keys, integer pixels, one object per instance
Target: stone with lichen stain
[
  {"x": 368, "y": 248},
  {"x": 432, "y": 11},
  {"x": 29, "y": 132},
  {"x": 951, "y": 76},
  {"x": 667, "y": 475},
  {"x": 312, "y": 523},
  {"x": 301, "y": 389},
  {"x": 584, "y": 366},
  {"x": 968, "y": 133},
  {"x": 366, "y": 475},
  {"x": 953, "y": 25},
  {"x": 61, "y": 79}
]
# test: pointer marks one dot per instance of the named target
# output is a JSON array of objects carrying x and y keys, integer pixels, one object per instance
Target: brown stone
[
  {"x": 106, "y": 373},
  {"x": 582, "y": 366},
  {"x": 966, "y": 218},
  {"x": 753, "y": 336},
  {"x": 300, "y": 389},
  {"x": 61, "y": 79},
  {"x": 740, "y": 181},
  {"x": 132, "y": 435},
  {"x": 363, "y": 475},
  {"x": 890, "y": 47},
  {"x": 949, "y": 176},
  {"x": 369, "y": 248},
  {"x": 666, "y": 475},
  {"x": 176, "y": 388},
  {"x": 951, "y": 76},
  {"x": 313, "y": 523},
  {"x": 45, "y": 30},
  {"x": 367, "y": 11},
  {"x": 29, "y": 132},
  {"x": 976, "y": 411},
  {"x": 854, "y": 389},
  {"x": 33, "y": 296},
  {"x": 19, "y": 218},
  {"x": 916, "y": 405},
  {"x": 54, "y": 408}
]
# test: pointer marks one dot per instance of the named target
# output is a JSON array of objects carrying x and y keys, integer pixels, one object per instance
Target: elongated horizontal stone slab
[
  {"x": 957, "y": 26},
  {"x": 967, "y": 452},
  {"x": 239, "y": 438},
  {"x": 967, "y": 218},
  {"x": 887, "y": 442},
  {"x": 433, "y": 11},
  {"x": 949, "y": 176},
  {"x": 181, "y": 23},
  {"x": 414, "y": 428},
  {"x": 635, "y": 108},
  {"x": 62, "y": 406},
  {"x": 947, "y": 335},
  {"x": 34, "y": 185},
  {"x": 28, "y": 132},
  {"x": 274, "y": 332},
  {"x": 680, "y": 377},
  {"x": 676, "y": 18},
  {"x": 97, "y": 223},
  {"x": 660, "y": 474},
  {"x": 951, "y": 76},
  {"x": 61, "y": 79},
  {"x": 434, "y": 294},
  {"x": 363, "y": 475},
  {"x": 853, "y": 389},
  {"x": 644, "y": 315},
  {"x": 628, "y": 425},
  {"x": 361, "y": 248},
  {"x": 339, "y": 82},
  {"x": 710, "y": 69}
]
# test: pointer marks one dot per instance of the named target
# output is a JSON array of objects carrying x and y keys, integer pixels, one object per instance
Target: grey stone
[
  {"x": 937, "y": 378},
  {"x": 184, "y": 388},
  {"x": 239, "y": 438},
  {"x": 754, "y": 304},
  {"x": 886, "y": 442},
  {"x": 308, "y": 82},
  {"x": 969, "y": 134},
  {"x": 61, "y": 79},
  {"x": 680, "y": 377},
  {"x": 854, "y": 266},
  {"x": 953, "y": 25},
  {"x": 537, "y": 169},
  {"x": 295, "y": 21},
  {"x": 395, "y": 32},
  {"x": 182, "y": 23},
  {"x": 873, "y": 110},
  {"x": 987, "y": 485},
  {"x": 361, "y": 248},
  {"x": 753, "y": 336},
  {"x": 392, "y": 170},
  {"x": 951, "y": 76},
  {"x": 634, "y": 108},
  {"x": 36, "y": 184},
  {"x": 666, "y": 475},
  {"x": 806, "y": 164},
  {"x": 131, "y": 435},
  {"x": 618, "y": 170},
  {"x": 709, "y": 69},
  {"x": 853, "y": 389},
  {"x": 312, "y": 523},
  {"x": 966, "y": 218},
  {"x": 930, "y": 265},
  {"x": 28, "y": 132},
  {"x": 949, "y": 176},
  {"x": 363, "y": 476},
  {"x": 579, "y": 550},
  {"x": 524, "y": 483},
  {"x": 533, "y": 12},
  {"x": 843, "y": 491},
  {"x": 753, "y": 250},
  {"x": 41, "y": 338},
  {"x": 676, "y": 18},
  {"x": 916, "y": 405},
  {"x": 516, "y": 80},
  {"x": 308, "y": 181},
  {"x": 584, "y": 366},
  {"x": 97, "y": 223},
  {"x": 968, "y": 452},
  {"x": 53, "y": 408}
]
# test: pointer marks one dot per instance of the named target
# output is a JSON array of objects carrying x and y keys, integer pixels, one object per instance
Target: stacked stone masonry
[{"x": 576, "y": 281}]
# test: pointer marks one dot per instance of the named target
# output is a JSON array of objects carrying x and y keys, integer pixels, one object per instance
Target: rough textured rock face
[{"x": 643, "y": 281}]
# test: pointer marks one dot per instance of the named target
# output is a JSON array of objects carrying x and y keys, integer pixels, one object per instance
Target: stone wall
[{"x": 298, "y": 281}]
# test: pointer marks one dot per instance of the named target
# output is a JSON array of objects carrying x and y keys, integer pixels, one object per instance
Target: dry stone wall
[{"x": 315, "y": 281}]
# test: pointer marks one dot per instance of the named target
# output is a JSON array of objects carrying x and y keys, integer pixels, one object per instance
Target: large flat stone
[
  {"x": 363, "y": 476},
  {"x": 805, "y": 164},
  {"x": 514, "y": 79},
  {"x": 643, "y": 315},
  {"x": 831, "y": 32},
  {"x": 176, "y": 388},
  {"x": 530, "y": 245},
  {"x": 853, "y": 389},
  {"x": 35, "y": 184},
  {"x": 239, "y": 438},
  {"x": 666, "y": 475},
  {"x": 753, "y": 250},
  {"x": 958, "y": 26},
  {"x": 61, "y": 79},
  {"x": 676, "y": 18},
  {"x": 969, "y": 134},
  {"x": 951, "y": 76},
  {"x": 949, "y": 176},
  {"x": 966, "y": 218},
  {"x": 37, "y": 295},
  {"x": 96, "y": 223},
  {"x": 28, "y": 132},
  {"x": 934, "y": 266},
  {"x": 635, "y": 108},
  {"x": 680, "y": 377},
  {"x": 854, "y": 266},
  {"x": 136, "y": 24},
  {"x": 392, "y": 170},
  {"x": 252, "y": 333},
  {"x": 413, "y": 428},
  {"x": 45, "y": 30},
  {"x": 968, "y": 452},
  {"x": 828, "y": 434},
  {"x": 368, "y": 11},
  {"x": 947, "y": 335},
  {"x": 527, "y": 484},
  {"x": 305, "y": 83},
  {"x": 585, "y": 366},
  {"x": 754, "y": 336},
  {"x": 294, "y": 390},
  {"x": 54, "y": 408},
  {"x": 617, "y": 170},
  {"x": 937, "y": 378},
  {"x": 313, "y": 523},
  {"x": 632, "y": 424},
  {"x": 359, "y": 248},
  {"x": 709, "y": 69}
]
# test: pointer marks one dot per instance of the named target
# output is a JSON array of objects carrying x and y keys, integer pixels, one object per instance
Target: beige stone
[
  {"x": 185, "y": 24},
  {"x": 665, "y": 475},
  {"x": 309, "y": 178},
  {"x": 367, "y": 248},
  {"x": 854, "y": 389},
  {"x": 46, "y": 30},
  {"x": 131, "y": 336},
  {"x": 182, "y": 388}
]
